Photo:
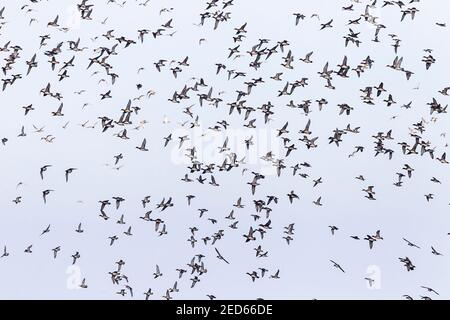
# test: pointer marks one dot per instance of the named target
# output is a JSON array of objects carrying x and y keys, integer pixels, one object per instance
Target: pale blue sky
[{"x": 304, "y": 265}]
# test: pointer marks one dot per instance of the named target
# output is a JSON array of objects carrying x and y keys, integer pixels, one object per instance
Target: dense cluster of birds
[{"x": 238, "y": 94}]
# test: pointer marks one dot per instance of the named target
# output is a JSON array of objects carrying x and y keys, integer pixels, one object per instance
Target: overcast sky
[{"x": 305, "y": 269}]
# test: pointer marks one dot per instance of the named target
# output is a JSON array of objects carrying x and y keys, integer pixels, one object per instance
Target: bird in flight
[{"x": 198, "y": 125}]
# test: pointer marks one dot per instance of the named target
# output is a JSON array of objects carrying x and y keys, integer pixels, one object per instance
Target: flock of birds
[{"x": 248, "y": 99}]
